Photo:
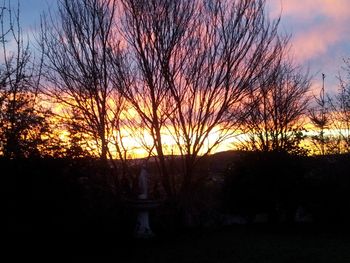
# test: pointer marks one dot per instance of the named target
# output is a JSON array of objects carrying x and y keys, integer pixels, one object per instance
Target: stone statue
[
  {"x": 143, "y": 183},
  {"x": 143, "y": 204}
]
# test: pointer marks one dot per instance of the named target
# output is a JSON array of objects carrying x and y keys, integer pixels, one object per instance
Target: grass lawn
[{"x": 224, "y": 245}]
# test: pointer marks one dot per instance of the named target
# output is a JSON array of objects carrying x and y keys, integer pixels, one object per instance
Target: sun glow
[{"x": 131, "y": 141}]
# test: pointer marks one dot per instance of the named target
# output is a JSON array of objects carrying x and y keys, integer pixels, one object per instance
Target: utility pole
[{"x": 323, "y": 115}]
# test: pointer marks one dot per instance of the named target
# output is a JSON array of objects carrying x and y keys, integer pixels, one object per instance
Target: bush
[
  {"x": 258, "y": 182},
  {"x": 62, "y": 194}
]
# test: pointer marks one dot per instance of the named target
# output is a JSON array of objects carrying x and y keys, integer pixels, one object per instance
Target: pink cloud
[
  {"x": 316, "y": 41},
  {"x": 308, "y": 9},
  {"x": 320, "y": 36},
  {"x": 319, "y": 25}
]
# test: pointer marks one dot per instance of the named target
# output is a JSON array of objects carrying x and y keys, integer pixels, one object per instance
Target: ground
[{"x": 233, "y": 244}]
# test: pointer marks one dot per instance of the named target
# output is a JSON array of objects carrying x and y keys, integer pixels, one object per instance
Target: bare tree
[
  {"x": 340, "y": 109},
  {"x": 21, "y": 122},
  {"x": 187, "y": 65},
  {"x": 277, "y": 109},
  {"x": 140, "y": 69},
  {"x": 320, "y": 118},
  {"x": 3, "y": 34},
  {"x": 230, "y": 47},
  {"x": 76, "y": 47}
]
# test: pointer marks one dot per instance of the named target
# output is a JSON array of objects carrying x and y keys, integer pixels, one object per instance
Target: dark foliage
[
  {"x": 79, "y": 195},
  {"x": 59, "y": 195},
  {"x": 262, "y": 183},
  {"x": 326, "y": 188},
  {"x": 277, "y": 184}
]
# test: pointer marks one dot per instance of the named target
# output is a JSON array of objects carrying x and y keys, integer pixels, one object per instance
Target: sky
[
  {"x": 320, "y": 35},
  {"x": 320, "y": 32}
]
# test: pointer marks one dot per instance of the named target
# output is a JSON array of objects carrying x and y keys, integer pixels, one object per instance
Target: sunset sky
[{"x": 320, "y": 32}]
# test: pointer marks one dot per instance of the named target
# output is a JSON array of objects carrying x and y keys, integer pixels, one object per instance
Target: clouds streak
[{"x": 320, "y": 34}]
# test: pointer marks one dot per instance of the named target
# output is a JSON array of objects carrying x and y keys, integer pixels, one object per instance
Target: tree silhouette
[
  {"x": 320, "y": 118},
  {"x": 340, "y": 107},
  {"x": 185, "y": 66},
  {"x": 22, "y": 123},
  {"x": 276, "y": 109},
  {"x": 140, "y": 71},
  {"x": 76, "y": 47}
]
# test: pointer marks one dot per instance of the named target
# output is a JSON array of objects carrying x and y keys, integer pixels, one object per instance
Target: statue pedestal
[
  {"x": 142, "y": 229},
  {"x": 142, "y": 207}
]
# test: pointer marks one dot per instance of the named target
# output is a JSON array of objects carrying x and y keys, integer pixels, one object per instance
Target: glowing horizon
[{"x": 138, "y": 142}]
